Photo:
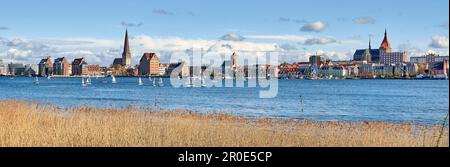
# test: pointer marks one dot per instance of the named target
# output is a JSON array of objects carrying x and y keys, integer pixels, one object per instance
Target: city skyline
[{"x": 165, "y": 27}]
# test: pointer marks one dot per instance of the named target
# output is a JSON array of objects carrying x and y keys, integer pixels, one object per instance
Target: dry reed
[{"x": 31, "y": 124}]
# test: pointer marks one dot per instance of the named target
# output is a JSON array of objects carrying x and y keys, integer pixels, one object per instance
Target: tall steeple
[
  {"x": 385, "y": 44},
  {"x": 126, "y": 55},
  {"x": 370, "y": 43}
]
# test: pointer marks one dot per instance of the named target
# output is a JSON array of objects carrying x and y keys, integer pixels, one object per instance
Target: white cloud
[
  {"x": 364, "y": 20},
  {"x": 333, "y": 55},
  {"x": 232, "y": 37},
  {"x": 439, "y": 42},
  {"x": 287, "y": 47},
  {"x": 19, "y": 54},
  {"x": 308, "y": 40},
  {"x": 415, "y": 51},
  {"x": 319, "y": 41},
  {"x": 82, "y": 43},
  {"x": 317, "y": 26},
  {"x": 294, "y": 38},
  {"x": 103, "y": 51}
]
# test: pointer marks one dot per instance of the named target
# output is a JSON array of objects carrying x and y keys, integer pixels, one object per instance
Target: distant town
[{"x": 367, "y": 63}]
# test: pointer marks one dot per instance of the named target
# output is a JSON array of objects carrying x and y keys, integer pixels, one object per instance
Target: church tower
[
  {"x": 126, "y": 55},
  {"x": 385, "y": 46},
  {"x": 367, "y": 56}
]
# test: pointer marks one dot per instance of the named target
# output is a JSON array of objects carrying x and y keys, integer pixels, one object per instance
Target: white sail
[
  {"x": 113, "y": 80},
  {"x": 140, "y": 81},
  {"x": 88, "y": 81},
  {"x": 150, "y": 78},
  {"x": 83, "y": 83},
  {"x": 189, "y": 83},
  {"x": 203, "y": 82},
  {"x": 161, "y": 82}
]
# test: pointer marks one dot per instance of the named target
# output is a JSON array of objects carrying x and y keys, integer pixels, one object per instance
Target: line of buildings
[
  {"x": 370, "y": 63},
  {"x": 149, "y": 65},
  {"x": 63, "y": 67},
  {"x": 366, "y": 63}
]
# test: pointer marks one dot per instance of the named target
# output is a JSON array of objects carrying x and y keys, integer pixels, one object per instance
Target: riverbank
[{"x": 32, "y": 124}]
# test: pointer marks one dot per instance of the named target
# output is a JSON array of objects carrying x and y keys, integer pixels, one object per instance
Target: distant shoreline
[{"x": 5, "y": 76}]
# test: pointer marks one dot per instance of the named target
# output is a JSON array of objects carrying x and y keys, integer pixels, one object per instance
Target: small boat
[
  {"x": 189, "y": 84},
  {"x": 150, "y": 78},
  {"x": 154, "y": 82},
  {"x": 36, "y": 81},
  {"x": 49, "y": 77},
  {"x": 83, "y": 83},
  {"x": 160, "y": 83},
  {"x": 88, "y": 81},
  {"x": 113, "y": 80},
  {"x": 203, "y": 82},
  {"x": 140, "y": 82}
]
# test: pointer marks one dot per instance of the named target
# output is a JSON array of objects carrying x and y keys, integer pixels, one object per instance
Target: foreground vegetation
[{"x": 32, "y": 124}]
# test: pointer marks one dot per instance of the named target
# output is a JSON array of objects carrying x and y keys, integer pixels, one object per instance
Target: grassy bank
[{"x": 31, "y": 124}]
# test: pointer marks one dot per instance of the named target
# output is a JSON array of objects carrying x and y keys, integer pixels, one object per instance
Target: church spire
[
  {"x": 385, "y": 44},
  {"x": 126, "y": 55},
  {"x": 370, "y": 43},
  {"x": 126, "y": 47}
]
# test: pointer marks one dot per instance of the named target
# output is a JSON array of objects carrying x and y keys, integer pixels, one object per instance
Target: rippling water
[{"x": 420, "y": 101}]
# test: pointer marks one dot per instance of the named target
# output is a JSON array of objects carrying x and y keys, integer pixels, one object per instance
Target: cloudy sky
[{"x": 94, "y": 29}]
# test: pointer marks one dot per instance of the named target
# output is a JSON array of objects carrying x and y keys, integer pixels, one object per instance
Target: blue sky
[{"x": 413, "y": 25}]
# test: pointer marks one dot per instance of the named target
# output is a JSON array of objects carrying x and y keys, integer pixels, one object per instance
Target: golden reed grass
[{"x": 31, "y": 124}]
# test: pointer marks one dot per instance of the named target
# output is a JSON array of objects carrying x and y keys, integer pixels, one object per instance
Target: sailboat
[
  {"x": 49, "y": 77},
  {"x": 203, "y": 82},
  {"x": 189, "y": 84},
  {"x": 88, "y": 81},
  {"x": 161, "y": 84},
  {"x": 113, "y": 80},
  {"x": 150, "y": 78},
  {"x": 36, "y": 81},
  {"x": 83, "y": 83},
  {"x": 12, "y": 74},
  {"x": 154, "y": 82},
  {"x": 140, "y": 82}
]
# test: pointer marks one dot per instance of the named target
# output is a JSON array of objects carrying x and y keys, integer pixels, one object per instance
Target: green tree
[{"x": 117, "y": 66}]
